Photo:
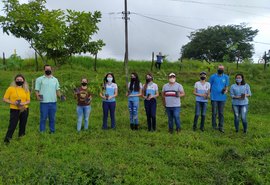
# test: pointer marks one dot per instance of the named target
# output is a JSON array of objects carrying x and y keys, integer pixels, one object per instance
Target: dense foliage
[
  {"x": 53, "y": 34},
  {"x": 220, "y": 43}
]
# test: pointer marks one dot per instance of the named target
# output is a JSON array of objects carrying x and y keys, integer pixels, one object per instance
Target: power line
[
  {"x": 265, "y": 43},
  {"x": 165, "y": 22},
  {"x": 222, "y": 4}
]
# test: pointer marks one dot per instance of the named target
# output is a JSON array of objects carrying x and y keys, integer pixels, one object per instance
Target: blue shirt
[
  {"x": 151, "y": 89},
  {"x": 110, "y": 89},
  {"x": 159, "y": 58},
  {"x": 134, "y": 98},
  {"x": 218, "y": 83},
  {"x": 237, "y": 90}
]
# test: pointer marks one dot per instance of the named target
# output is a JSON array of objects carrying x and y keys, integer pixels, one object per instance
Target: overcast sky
[{"x": 147, "y": 35}]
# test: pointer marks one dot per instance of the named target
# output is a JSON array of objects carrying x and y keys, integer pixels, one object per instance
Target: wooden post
[
  {"x": 95, "y": 65},
  {"x": 265, "y": 60},
  {"x": 36, "y": 61},
  {"x": 153, "y": 60},
  {"x": 4, "y": 62}
]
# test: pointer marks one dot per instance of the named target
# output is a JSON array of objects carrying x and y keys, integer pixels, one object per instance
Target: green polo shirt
[{"x": 47, "y": 86}]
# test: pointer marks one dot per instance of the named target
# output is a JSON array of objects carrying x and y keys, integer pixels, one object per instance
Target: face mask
[
  {"x": 148, "y": 80},
  {"x": 109, "y": 79},
  {"x": 203, "y": 78},
  {"x": 48, "y": 72},
  {"x": 84, "y": 84},
  {"x": 19, "y": 83},
  {"x": 220, "y": 71},
  {"x": 172, "y": 80},
  {"x": 238, "y": 80}
]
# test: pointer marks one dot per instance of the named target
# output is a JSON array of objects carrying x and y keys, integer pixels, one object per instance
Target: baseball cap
[
  {"x": 203, "y": 73},
  {"x": 172, "y": 74}
]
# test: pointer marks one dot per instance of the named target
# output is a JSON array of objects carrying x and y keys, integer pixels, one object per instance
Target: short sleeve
[
  {"x": 181, "y": 89},
  {"x": 208, "y": 86},
  {"x": 248, "y": 89},
  {"x": 156, "y": 88},
  {"x": 231, "y": 91},
  {"x": 57, "y": 85},
  {"x": 196, "y": 85},
  {"x": 38, "y": 84},
  {"x": 7, "y": 93}
]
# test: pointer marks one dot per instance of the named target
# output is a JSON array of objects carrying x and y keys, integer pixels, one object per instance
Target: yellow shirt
[{"x": 17, "y": 93}]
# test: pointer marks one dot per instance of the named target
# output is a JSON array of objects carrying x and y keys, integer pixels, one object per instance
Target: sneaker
[{"x": 221, "y": 130}]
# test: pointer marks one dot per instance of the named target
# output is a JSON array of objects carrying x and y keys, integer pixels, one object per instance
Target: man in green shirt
[{"x": 47, "y": 89}]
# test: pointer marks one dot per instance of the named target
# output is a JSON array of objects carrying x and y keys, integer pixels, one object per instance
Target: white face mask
[
  {"x": 172, "y": 80},
  {"x": 109, "y": 79}
]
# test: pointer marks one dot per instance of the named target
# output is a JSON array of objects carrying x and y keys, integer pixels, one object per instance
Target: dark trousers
[
  {"x": 157, "y": 64},
  {"x": 200, "y": 109},
  {"x": 108, "y": 106},
  {"x": 15, "y": 117},
  {"x": 218, "y": 107},
  {"x": 150, "y": 110}
]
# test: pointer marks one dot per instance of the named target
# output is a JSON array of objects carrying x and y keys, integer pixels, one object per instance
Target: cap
[
  {"x": 172, "y": 74},
  {"x": 203, "y": 73}
]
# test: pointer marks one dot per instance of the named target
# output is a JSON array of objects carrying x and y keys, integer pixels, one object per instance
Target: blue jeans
[
  {"x": 83, "y": 111},
  {"x": 240, "y": 110},
  {"x": 218, "y": 107},
  {"x": 108, "y": 106},
  {"x": 200, "y": 109},
  {"x": 133, "y": 108},
  {"x": 47, "y": 110},
  {"x": 173, "y": 114}
]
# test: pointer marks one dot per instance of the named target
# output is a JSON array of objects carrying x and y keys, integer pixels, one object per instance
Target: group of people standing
[{"x": 47, "y": 89}]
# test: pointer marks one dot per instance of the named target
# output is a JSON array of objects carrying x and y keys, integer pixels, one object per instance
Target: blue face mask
[{"x": 238, "y": 80}]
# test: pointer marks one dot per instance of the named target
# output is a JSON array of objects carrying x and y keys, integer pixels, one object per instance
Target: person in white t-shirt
[{"x": 202, "y": 93}]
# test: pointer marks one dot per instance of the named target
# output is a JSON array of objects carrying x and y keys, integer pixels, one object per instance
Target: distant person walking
[
  {"x": 240, "y": 91},
  {"x": 110, "y": 91},
  {"x": 171, "y": 93},
  {"x": 47, "y": 89},
  {"x": 133, "y": 94},
  {"x": 84, "y": 98},
  {"x": 202, "y": 93},
  {"x": 18, "y": 96},
  {"x": 150, "y": 93},
  {"x": 219, "y": 88},
  {"x": 159, "y": 60}
]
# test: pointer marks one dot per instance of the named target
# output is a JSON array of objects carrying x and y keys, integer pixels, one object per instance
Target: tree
[
  {"x": 220, "y": 43},
  {"x": 53, "y": 34}
]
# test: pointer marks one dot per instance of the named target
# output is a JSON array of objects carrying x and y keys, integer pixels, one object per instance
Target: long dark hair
[
  {"x": 146, "y": 83},
  {"x": 243, "y": 79},
  {"x": 135, "y": 85},
  {"x": 105, "y": 79}
]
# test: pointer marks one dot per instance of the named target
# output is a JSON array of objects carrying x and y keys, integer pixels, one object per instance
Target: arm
[
  {"x": 6, "y": 100},
  {"x": 163, "y": 99}
]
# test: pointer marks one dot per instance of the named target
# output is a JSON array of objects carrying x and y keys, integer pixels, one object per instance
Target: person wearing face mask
[
  {"x": 202, "y": 93},
  {"x": 219, "y": 88},
  {"x": 240, "y": 91},
  {"x": 108, "y": 94},
  {"x": 171, "y": 93},
  {"x": 133, "y": 94},
  {"x": 150, "y": 93},
  {"x": 84, "y": 98},
  {"x": 47, "y": 89},
  {"x": 18, "y": 96}
]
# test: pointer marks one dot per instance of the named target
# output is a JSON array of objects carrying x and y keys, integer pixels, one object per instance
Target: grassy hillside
[{"x": 123, "y": 156}]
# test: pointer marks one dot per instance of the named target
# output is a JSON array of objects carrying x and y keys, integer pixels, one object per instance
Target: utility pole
[{"x": 126, "y": 18}]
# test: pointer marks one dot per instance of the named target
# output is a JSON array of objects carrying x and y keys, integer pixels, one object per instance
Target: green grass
[{"x": 123, "y": 156}]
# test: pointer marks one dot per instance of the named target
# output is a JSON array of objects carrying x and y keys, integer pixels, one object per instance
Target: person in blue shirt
[
  {"x": 219, "y": 88},
  {"x": 133, "y": 94},
  {"x": 202, "y": 93},
  {"x": 240, "y": 91},
  {"x": 108, "y": 94},
  {"x": 159, "y": 60},
  {"x": 150, "y": 93}
]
